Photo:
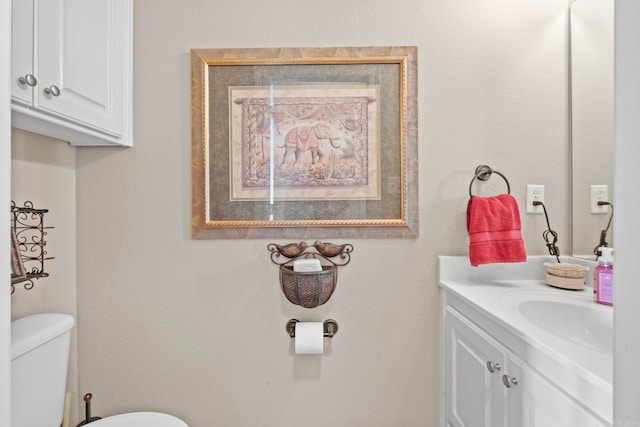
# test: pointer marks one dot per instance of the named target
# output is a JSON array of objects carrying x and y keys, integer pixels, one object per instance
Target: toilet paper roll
[{"x": 309, "y": 338}]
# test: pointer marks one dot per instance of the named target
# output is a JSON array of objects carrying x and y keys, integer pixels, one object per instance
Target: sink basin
[{"x": 567, "y": 315}]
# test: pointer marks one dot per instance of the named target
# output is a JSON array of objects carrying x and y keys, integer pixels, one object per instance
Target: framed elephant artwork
[{"x": 304, "y": 142}]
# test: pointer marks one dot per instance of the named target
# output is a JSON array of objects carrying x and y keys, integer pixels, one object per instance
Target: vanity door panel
[
  {"x": 473, "y": 365},
  {"x": 536, "y": 402}
]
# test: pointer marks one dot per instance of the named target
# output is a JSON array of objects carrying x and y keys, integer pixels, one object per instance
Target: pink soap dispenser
[{"x": 603, "y": 277}]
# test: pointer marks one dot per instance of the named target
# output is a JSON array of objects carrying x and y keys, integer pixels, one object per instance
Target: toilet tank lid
[{"x": 32, "y": 331}]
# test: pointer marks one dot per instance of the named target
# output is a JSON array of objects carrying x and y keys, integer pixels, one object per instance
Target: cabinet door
[
  {"x": 473, "y": 394},
  {"x": 535, "y": 402},
  {"x": 22, "y": 73},
  {"x": 81, "y": 68}
]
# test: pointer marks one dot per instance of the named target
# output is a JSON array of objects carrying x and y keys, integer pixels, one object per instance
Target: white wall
[
  {"x": 196, "y": 328},
  {"x": 627, "y": 232},
  {"x": 5, "y": 199},
  {"x": 43, "y": 171}
]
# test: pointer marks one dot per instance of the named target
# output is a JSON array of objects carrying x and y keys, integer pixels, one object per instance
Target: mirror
[{"x": 591, "y": 24}]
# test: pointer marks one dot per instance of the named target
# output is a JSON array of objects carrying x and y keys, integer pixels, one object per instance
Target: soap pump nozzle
[{"x": 606, "y": 256}]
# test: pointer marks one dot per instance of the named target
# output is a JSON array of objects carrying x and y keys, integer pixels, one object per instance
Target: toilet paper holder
[{"x": 329, "y": 326}]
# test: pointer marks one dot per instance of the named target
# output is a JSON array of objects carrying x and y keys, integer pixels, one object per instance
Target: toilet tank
[{"x": 39, "y": 360}]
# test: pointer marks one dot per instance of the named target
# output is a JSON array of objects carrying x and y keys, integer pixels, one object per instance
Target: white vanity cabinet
[
  {"x": 71, "y": 69},
  {"x": 487, "y": 383},
  {"x": 473, "y": 367},
  {"x": 537, "y": 402}
]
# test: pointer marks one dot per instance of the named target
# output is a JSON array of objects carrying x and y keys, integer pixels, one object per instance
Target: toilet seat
[{"x": 139, "y": 419}]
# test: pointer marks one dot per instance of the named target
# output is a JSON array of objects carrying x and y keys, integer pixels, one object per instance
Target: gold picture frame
[{"x": 304, "y": 142}]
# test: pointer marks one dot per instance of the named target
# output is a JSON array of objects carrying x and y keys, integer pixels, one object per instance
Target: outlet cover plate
[
  {"x": 535, "y": 193},
  {"x": 599, "y": 193}
]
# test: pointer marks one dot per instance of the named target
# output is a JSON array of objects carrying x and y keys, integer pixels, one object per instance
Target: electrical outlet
[
  {"x": 535, "y": 193},
  {"x": 599, "y": 193}
]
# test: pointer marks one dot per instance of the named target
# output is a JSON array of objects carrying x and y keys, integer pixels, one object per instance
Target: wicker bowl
[
  {"x": 565, "y": 275},
  {"x": 566, "y": 270},
  {"x": 308, "y": 289}
]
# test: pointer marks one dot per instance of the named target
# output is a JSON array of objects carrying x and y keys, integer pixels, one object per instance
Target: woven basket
[
  {"x": 308, "y": 289},
  {"x": 566, "y": 270}
]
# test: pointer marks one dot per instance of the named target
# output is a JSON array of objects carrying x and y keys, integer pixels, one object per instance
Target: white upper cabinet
[
  {"x": 71, "y": 66},
  {"x": 22, "y": 78}
]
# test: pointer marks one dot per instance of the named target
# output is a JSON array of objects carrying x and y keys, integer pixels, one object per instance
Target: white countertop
[{"x": 497, "y": 290}]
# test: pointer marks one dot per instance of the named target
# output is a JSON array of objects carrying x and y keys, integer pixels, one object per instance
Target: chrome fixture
[
  {"x": 509, "y": 381},
  {"x": 52, "y": 90},
  {"x": 492, "y": 367},
  {"x": 483, "y": 173},
  {"x": 28, "y": 79}
]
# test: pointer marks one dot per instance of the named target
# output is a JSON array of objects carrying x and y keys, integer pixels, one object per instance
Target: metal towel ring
[{"x": 483, "y": 173}]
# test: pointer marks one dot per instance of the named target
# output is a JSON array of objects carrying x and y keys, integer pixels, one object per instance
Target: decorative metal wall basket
[
  {"x": 28, "y": 245},
  {"x": 309, "y": 289}
]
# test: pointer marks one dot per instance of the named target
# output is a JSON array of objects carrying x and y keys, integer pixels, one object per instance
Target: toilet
[
  {"x": 139, "y": 419},
  {"x": 39, "y": 359}
]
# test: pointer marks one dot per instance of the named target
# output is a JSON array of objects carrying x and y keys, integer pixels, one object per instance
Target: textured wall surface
[
  {"x": 43, "y": 171},
  {"x": 196, "y": 328}
]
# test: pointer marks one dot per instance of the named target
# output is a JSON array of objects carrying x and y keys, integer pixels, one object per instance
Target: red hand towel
[{"x": 493, "y": 224}]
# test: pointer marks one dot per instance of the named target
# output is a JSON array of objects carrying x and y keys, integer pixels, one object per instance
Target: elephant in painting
[{"x": 301, "y": 139}]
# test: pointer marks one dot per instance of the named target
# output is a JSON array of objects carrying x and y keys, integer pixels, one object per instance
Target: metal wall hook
[
  {"x": 483, "y": 173},
  {"x": 329, "y": 326}
]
